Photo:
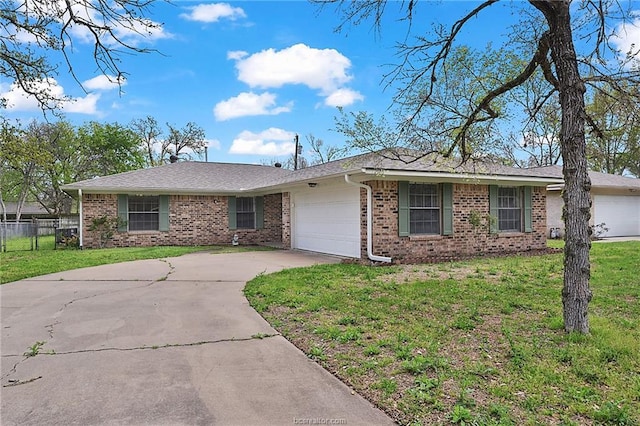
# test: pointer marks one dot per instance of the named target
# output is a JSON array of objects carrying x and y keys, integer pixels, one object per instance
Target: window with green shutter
[
  {"x": 246, "y": 212},
  {"x": 511, "y": 206},
  {"x": 403, "y": 209},
  {"x": 143, "y": 212},
  {"x": 123, "y": 212},
  {"x": 425, "y": 209}
]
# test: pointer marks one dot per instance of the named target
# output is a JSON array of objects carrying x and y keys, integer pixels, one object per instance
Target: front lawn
[{"x": 476, "y": 342}]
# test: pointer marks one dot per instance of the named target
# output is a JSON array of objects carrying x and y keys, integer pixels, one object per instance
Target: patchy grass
[
  {"x": 476, "y": 342},
  {"x": 18, "y": 265}
]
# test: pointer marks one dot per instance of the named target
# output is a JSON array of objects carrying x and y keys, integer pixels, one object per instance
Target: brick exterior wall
[
  {"x": 193, "y": 220},
  {"x": 466, "y": 240}
]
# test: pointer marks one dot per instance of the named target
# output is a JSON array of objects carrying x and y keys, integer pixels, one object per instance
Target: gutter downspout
[
  {"x": 370, "y": 254},
  {"x": 80, "y": 217}
]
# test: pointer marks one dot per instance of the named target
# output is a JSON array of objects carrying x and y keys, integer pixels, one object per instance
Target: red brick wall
[
  {"x": 466, "y": 240},
  {"x": 193, "y": 220}
]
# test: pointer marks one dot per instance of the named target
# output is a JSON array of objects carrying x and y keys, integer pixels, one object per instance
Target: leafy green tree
[
  {"x": 108, "y": 148},
  {"x": 21, "y": 158},
  {"x": 615, "y": 147},
  {"x": 64, "y": 163},
  {"x": 544, "y": 40},
  {"x": 38, "y": 159}
]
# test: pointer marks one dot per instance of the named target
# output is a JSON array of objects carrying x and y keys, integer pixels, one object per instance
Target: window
[
  {"x": 245, "y": 213},
  {"x": 509, "y": 209},
  {"x": 424, "y": 209},
  {"x": 144, "y": 213},
  {"x": 512, "y": 208}
]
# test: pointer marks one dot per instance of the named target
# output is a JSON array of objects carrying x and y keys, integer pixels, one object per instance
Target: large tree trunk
[{"x": 577, "y": 201}]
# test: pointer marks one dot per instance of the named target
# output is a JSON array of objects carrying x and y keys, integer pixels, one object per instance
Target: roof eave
[
  {"x": 155, "y": 191},
  {"x": 560, "y": 187},
  {"x": 463, "y": 177}
]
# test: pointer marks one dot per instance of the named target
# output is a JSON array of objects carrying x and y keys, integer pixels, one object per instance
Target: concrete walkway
[{"x": 161, "y": 342}]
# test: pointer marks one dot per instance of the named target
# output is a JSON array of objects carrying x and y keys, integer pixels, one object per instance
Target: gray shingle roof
[
  {"x": 222, "y": 178},
  {"x": 374, "y": 162},
  {"x": 184, "y": 177}
]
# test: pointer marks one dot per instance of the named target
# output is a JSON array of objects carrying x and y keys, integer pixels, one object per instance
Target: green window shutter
[
  {"x": 123, "y": 212},
  {"x": 403, "y": 208},
  {"x": 233, "y": 220},
  {"x": 493, "y": 208},
  {"x": 163, "y": 223},
  {"x": 447, "y": 209},
  {"x": 528, "y": 211},
  {"x": 259, "y": 207}
]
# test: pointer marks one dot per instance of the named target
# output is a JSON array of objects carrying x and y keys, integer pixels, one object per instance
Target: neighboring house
[
  {"x": 29, "y": 211},
  {"x": 615, "y": 201},
  {"x": 358, "y": 207}
]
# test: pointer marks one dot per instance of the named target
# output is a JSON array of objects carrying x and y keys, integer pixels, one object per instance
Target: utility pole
[{"x": 295, "y": 157}]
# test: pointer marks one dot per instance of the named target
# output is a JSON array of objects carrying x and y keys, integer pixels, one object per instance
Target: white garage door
[
  {"x": 620, "y": 213},
  {"x": 326, "y": 219}
]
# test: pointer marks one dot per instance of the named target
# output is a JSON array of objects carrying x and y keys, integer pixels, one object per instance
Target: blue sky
[{"x": 252, "y": 73}]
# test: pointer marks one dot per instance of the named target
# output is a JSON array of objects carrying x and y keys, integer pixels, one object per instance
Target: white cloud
[
  {"x": 213, "y": 12},
  {"x": 532, "y": 140},
  {"x": 343, "y": 97},
  {"x": 627, "y": 40},
  {"x": 213, "y": 143},
  {"x": 321, "y": 69},
  {"x": 270, "y": 142},
  {"x": 236, "y": 54},
  {"x": 86, "y": 105},
  {"x": 18, "y": 100},
  {"x": 249, "y": 103},
  {"x": 103, "y": 82}
]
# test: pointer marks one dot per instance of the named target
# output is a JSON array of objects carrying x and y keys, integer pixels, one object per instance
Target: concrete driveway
[{"x": 161, "y": 342}]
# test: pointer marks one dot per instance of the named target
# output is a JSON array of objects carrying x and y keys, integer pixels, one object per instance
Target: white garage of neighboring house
[{"x": 615, "y": 205}]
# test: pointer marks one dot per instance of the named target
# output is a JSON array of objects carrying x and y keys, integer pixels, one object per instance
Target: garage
[
  {"x": 619, "y": 213},
  {"x": 326, "y": 219}
]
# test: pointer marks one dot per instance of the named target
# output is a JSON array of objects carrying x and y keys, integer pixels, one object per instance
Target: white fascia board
[
  {"x": 461, "y": 177},
  {"x": 154, "y": 191},
  {"x": 631, "y": 189}
]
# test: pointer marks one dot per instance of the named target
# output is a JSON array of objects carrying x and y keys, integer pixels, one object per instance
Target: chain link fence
[{"x": 39, "y": 234}]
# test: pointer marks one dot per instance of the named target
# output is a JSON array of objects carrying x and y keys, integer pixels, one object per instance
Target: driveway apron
[{"x": 161, "y": 342}]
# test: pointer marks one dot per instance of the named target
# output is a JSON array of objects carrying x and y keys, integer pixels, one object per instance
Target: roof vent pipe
[
  {"x": 370, "y": 254},
  {"x": 173, "y": 158},
  {"x": 278, "y": 165}
]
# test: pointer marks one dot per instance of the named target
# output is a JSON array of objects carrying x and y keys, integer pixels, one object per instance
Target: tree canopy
[{"x": 41, "y": 157}]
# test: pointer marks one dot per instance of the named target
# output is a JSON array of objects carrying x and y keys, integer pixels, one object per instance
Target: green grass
[
  {"x": 45, "y": 242},
  {"x": 476, "y": 342},
  {"x": 17, "y": 265}
]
